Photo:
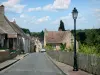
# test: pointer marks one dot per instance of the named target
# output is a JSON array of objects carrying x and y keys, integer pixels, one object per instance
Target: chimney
[
  {"x": 2, "y": 9},
  {"x": 14, "y": 21}
]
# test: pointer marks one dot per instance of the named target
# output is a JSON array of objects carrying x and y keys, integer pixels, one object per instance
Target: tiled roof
[
  {"x": 19, "y": 30},
  {"x": 5, "y": 25},
  {"x": 2, "y": 31},
  {"x": 9, "y": 27},
  {"x": 56, "y": 36}
]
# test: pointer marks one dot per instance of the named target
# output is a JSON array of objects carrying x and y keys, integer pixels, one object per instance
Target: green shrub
[
  {"x": 11, "y": 50},
  {"x": 98, "y": 48},
  {"x": 70, "y": 49},
  {"x": 3, "y": 48},
  {"x": 63, "y": 46},
  {"x": 49, "y": 47},
  {"x": 88, "y": 49}
]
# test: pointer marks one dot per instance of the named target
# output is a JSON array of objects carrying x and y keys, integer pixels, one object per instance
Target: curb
[
  {"x": 56, "y": 65},
  {"x": 26, "y": 55},
  {"x": 12, "y": 63},
  {"x": 8, "y": 65}
]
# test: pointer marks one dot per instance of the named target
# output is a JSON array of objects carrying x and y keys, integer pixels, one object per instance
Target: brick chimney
[{"x": 2, "y": 9}]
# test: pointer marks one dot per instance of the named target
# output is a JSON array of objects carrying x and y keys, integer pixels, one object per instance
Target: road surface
[{"x": 33, "y": 64}]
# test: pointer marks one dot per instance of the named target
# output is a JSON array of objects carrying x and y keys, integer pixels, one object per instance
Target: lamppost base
[{"x": 75, "y": 69}]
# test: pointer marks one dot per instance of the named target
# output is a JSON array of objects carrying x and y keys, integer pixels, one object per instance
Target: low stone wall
[
  {"x": 6, "y": 55},
  {"x": 89, "y": 63}
]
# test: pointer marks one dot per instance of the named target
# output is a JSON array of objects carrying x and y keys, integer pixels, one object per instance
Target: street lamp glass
[{"x": 74, "y": 13}]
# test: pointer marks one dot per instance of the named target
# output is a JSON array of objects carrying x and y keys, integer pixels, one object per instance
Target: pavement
[
  {"x": 8, "y": 63},
  {"x": 33, "y": 64},
  {"x": 67, "y": 69}
]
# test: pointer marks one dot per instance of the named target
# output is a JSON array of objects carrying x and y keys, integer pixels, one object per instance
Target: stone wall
[
  {"x": 5, "y": 55},
  {"x": 89, "y": 63}
]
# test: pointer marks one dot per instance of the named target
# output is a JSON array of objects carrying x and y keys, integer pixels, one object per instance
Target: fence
[{"x": 89, "y": 63}]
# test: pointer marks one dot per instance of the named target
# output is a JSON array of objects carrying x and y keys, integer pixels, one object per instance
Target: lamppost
[{"x": 74, "y": 15}]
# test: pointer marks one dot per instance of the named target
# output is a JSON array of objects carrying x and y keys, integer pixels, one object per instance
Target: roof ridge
[
  {"x": 59, "y": 36},
  {"x": 9, "y": 23},
  {"x": 19, "y": 29}
]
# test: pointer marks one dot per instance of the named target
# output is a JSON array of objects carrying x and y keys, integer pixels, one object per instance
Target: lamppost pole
[
  {"x": 75, "y": 36},
  {"x": 75, "y": 14}
]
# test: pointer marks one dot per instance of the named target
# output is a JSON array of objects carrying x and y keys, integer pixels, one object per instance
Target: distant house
[
  {"x": 37, "y": 44},
  {"x": 56, "y": 38}
]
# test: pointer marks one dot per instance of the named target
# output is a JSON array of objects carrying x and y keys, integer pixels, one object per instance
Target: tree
[
  {"x": 42, "y": 34},
  {"x": 91, "y": 37},
  {"x": 61, "y": 26},
  {"x": 81, "y": 36}
]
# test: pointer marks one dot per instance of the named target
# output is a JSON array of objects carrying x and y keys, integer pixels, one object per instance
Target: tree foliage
[
  {"x": 26, "y": 31},
  {"x": 63, "y": 46},
  {"x": 89, "y": 40},
  {"x": 49, "y": 47},
  {"x": 38, "y": 34}
]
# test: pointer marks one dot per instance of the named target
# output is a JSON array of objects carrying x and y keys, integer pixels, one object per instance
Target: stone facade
[
  {"x": 37, "y": 44},
  {"x": 12, "y": 35}
]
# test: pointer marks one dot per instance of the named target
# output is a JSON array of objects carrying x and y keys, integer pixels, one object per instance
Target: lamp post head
[{"x": 74, "y": 13}]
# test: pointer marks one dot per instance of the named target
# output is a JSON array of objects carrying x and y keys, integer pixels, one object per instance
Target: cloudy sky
[{"x": 37, "y": 15}]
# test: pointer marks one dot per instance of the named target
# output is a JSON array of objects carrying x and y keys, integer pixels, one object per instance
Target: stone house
[
  {"x": 8, "y": 36},
  {"x": 11, "y": 35},
  {"x": 24, "y": 38},
  {"x": 55, "y": 38}
]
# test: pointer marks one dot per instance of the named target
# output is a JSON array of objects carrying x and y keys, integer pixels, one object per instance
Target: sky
[{"x": 37, "y": 15}]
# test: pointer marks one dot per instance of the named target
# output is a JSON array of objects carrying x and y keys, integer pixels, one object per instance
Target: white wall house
[{"x": 26, "y": 45}]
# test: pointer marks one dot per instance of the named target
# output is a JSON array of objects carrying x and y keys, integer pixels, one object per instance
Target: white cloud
[
  {"x": 22, "y": 16},
  {"x": 14, "y": 6},
  {"x": 96, "y": 13},
  {"x": 33, "y": 19},
  {"x": 68, "y": 20},
  {"x": 61, "y": 4},
  {"x": 43, "y": 19},
  {"x": 57, "y": 5},
  {"x": 64, "y": 18},
  {"x": 34, "y": 9},
  {"x": 49, "y": 7},
  {"x": 97, "y": 10}
]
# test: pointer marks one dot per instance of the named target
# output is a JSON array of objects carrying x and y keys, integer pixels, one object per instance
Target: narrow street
[{"x": 33, "y": 64}]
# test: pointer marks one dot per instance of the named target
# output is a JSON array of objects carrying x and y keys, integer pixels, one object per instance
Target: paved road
[{"x": 33, "y": 64}]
